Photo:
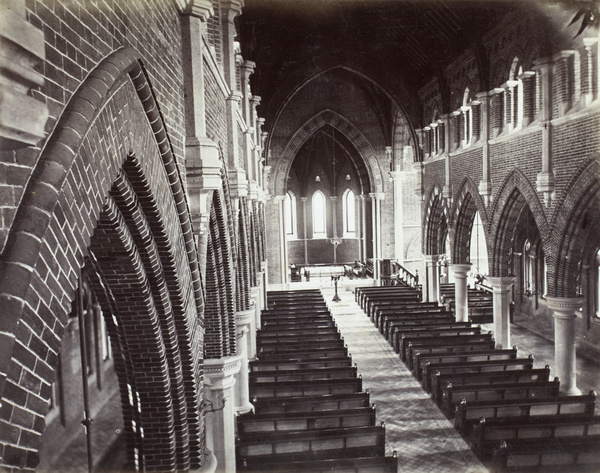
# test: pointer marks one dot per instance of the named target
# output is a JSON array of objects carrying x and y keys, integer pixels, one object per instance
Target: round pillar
[
  {"x": 501, "y": 287},
  {"x": 243, "y": 319},
  {"x": 461, "y": 297},
  {"x": 255, "y": 322},
  {"x": 431, "y": 278},
  {"x": 565, "y": 324},
  {"x": 219, "y": 409}
]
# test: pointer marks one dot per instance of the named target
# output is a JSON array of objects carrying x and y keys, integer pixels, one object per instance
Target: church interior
[{"x": 300, "y": 236}]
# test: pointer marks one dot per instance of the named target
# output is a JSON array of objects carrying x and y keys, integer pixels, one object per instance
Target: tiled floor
[{"x": 423, "y": 438}]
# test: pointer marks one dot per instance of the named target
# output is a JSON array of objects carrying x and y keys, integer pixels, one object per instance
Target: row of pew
[
  {"x": 481, "y": 303},
  {"x": 510, "y": 412},
  {"x": 311, "y": 413}
]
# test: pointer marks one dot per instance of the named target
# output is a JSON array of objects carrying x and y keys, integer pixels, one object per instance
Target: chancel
[{"x": 301, "y": 236}]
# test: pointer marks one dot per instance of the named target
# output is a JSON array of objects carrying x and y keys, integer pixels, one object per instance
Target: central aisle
[{"x": 423, "y": 438}]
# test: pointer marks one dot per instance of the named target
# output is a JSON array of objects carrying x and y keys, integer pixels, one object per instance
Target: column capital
[
  {"x": 396, "y": 175},
  {"x": 201, "y": 9},
  {"x": 303, "y": 198},
  {"x": 244, "y": 317},
  {"x": 255, "y": 100},
  {"x": 232, "y": 8},
  {"x": 501, "y": 283},
  {"x": 247, "y": 68},
  {"x": 589, "y": 42},
  {"x": 461, "y": 269},
  {"x": 238, "y": 183},
  {"x": 564, "y": 307},
  {"x": 431, "y": 259},
  {"x": 377, "y": 196},
  {"x": 235, "y": 96},
  {"x": 219, "y": 372}
]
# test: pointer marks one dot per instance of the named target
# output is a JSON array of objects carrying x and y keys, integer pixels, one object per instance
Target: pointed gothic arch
[
  {"x": 342, "y": 125},
  {"x": 514, "y": 194},
  {"x": 84, "y": 193},
  {"x": 435, "y": 223}
]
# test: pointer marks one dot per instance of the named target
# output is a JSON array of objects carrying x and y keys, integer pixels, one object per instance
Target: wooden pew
[
  {"x": 399, "y": 334},
  {"x": 312, "y": 420},
  {"x": 314, "y": 354},
  {"x": 266, "y": 365},
  {"x": 301, "y": 345},
  {"x": 310, "y": 374},
  {"x": 393, "y": 307},
  {"x": 346, "y": 465},
  {"x": 384, "y": 319},
  {"x": 460, "y": 357},
  {"x": 468, "y": 413},
  {"x": 460, "y": 346},
  {"x": 489, "y": 432},
  {"x": 432, "y": 370},
  {"x": 284, "y": 338},
  {"x": 492, "y": 378},
  {"x": 294, "y": 332},
  {"x": 453, "y": 395},
  {"x": 306, "y": 388},
  {"x": 438, "y": 337},
  {"x": 323, "y": 402},
  {"x": 401, "y": 326},
  {"x": 548, "y": 456},
  {"x": 257, "y": 450}
]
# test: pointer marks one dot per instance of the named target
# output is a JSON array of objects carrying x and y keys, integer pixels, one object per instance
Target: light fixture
[
  {"x": 317, "y": 178},
  {"x": 348, "y": 177}
]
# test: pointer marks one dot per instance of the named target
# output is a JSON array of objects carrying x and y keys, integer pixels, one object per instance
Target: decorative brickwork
[
  {"x": 65, "y": 210},
  {"x": 466, "y": 204}
]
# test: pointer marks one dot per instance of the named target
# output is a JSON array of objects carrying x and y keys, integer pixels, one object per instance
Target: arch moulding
[{"x": 348, "y": 129}]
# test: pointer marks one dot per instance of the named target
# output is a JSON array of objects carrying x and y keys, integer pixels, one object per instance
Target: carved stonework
[{"x": 22, "y": 49}]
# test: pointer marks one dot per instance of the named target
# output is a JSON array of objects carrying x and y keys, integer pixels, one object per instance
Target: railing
[{"x": 404, "y": 276}]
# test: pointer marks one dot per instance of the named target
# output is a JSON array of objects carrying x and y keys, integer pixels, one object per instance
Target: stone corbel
[
  {"x": 22, "y": 49},
  {"x": 253, "y": 190},
  {"x": 203, "y": 177},
  {"x": 202, "y": 9},
  {"x": 238, "y": 183}
]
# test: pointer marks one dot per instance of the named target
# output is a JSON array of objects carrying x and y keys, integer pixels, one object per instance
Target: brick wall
[{"x": 68, "y": 194}]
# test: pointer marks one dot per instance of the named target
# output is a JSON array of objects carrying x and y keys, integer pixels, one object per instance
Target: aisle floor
[{"x": 424, "y": 440}]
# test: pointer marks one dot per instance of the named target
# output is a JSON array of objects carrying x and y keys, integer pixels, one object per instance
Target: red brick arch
[
  {"x": 576, "y": 230},
  {"x": 326, "y": 117},
  {"x": 467, "y": 202},
  {"x": 514, "y": 194},
  {"x": 85, "y": 194},
  {"x": 435, "y": 223}
]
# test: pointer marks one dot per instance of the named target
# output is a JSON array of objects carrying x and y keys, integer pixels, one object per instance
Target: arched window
[
  {"x": 467, "y": 113},
  {"x": 597, "y": 282},
  {"x": 349, "y": 213},
  {"x": 478, "y": 247},
  {"x": 527, "y": 268},
  {"x": 289, "y": 210},
  {"x": 319, "y": 215},
  {"x": 513, "y": 97}
]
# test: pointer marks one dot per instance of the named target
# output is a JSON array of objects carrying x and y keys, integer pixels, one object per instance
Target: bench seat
[
  {"x": 459, "y": 347},
  {"x": 492, "y": 378},
  {"x": 315, "y": 354},
  {"x": 450, "y": 342},
  {"x": 280, "y": 447},
  {"x": 432, "y": 370},
  {"x": 488, "y": 432},
  {"x": 265, "y": 365},
  {"x": 556, "y": 455},
  {"x": 400, "y": 334},
  {"x": 312, "y": 420},
  {"x": 452, "y": 395},
  {"x": 438, "y": 337},
  {"x": 468, "y": 413},
  {"x": 307, "y": 403},
  {"x": 305, "y": 388},
  {"x": 310, "y": 374},
  {"x": 477, "y": 355},
  {"x": 346, "y": 465}
]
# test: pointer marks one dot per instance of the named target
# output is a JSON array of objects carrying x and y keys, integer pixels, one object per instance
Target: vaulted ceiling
[{"x": 401, "y": 44}]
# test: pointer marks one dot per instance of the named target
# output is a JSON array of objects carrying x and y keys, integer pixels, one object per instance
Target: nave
[{"x": 416, "y": 429}]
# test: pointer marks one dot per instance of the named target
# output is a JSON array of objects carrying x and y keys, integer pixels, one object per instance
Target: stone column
[
  {"x": 243, "y": 320},
  {"x": 587, "y": 86},
  {"x": 501, "y": 287},
  {"x": 431, "y": 278},
  {"x": 461, "y": 297},
  {"x": 363, "y": 226},
  {"x": 376, "y": 199},
  {"x": 282, "y": 240},
  {"x": 565, "y": 321},
  {"x": 255, "y": 320},
  {"x": 398, "y": 233},
  {"x": 485, "y": 185},
  {"x": 304, "y": 235},
  {"x": 545, "y": 179},
  {"x": 219, "y": 409}
]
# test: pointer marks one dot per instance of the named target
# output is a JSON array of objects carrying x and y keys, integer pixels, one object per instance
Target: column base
[
  {"x": 574, "y": 391},
  {"x": 248, "y": 407}
]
